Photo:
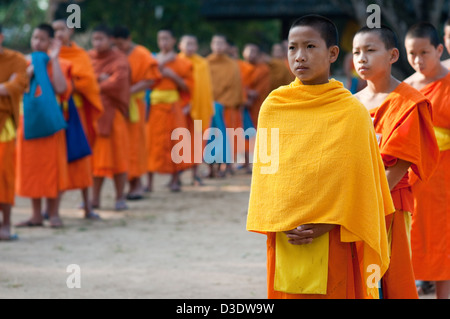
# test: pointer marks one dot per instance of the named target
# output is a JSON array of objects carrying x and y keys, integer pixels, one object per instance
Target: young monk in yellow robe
[
  {"x": 169, "y": 99},
  {"x": 227, "y": 88},
  {"x": 86, "y": 96},
  {"x": 144, "y": 75},
  {"x": 325, "y": 227},
  {"x": 202, "y": 102},
  {"x": 42, "y": 162},
  {"x": 13, "y": 82},
  {"x": 110, "y": 153},
  {"x": 446, "y": 63},
  {"x": 430, "y": 235},
  {"x": 403, "y": 123}
]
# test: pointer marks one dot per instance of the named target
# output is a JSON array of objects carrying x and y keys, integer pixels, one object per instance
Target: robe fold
[
  {"x": 42, "y": 168},
  {"x": 110, "y": 152},
  {"x": 166, "y": 115},
  {"x": 430, "y": 229},
  {"x": 89, "y": 106},
  {"x": 403, "y": 123},
  {"x": 143, "y": 67},
  {"x": 11, "y": 62},
  {"x": 311, "y": 131}
]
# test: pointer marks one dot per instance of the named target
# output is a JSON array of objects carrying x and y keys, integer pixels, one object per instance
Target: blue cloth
[
  {"x": 77, "y": 143},
  {"x": 42, "y": 115},
  {"x": 217, "y": 151},
  {"x": 248, "y": 124}
]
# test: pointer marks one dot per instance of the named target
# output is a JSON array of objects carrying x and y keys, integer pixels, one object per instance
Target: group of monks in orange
[
  {"x": 131, "y": 138},
  {"x": 129, "y": 102},
  {"x": 316, "y": 191}
]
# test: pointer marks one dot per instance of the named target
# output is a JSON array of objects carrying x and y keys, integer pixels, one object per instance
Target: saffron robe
[
  {"x": 143, "y": 67},
  {"x": 41, "y": 167},
  {"x": 110, "y": 152},
  {"x": 318, "y": 122},
  {"x": 430, "y": 229},
  {"x": 11, "y": 62},
  {"x": 166, "y": 115},
  {"x": 89, "y": 106},
  {"x": 403, "y": 123}
]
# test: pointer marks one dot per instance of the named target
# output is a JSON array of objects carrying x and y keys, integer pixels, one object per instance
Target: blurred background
[{"x": 263, "y": 22}]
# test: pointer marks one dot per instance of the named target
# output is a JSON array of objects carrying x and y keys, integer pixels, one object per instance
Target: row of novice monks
[
  {"x": 130, "y": 138},
  {"x": 129, "y": 102}
]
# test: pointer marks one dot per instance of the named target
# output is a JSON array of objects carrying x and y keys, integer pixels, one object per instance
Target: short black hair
[
  {"x": 47, "y": 28},
  {"x": 103, "y": 28},
  {"x": 424, "y": 30},
  {"x": 121, "y": 32},
  {"x": 324, "y": 26},
  {"x": 170, "y": 31},
  {"x": 386, "y": 34},
  {"x": 1, "y": 28}
]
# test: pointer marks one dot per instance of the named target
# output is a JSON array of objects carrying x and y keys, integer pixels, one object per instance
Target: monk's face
[
  {"x": 370, "y": 56},
  {"x": 166, "y": 41},
  {"x": 308, "y": 55},
  {"x": 101, "y": 42},
  {"x": 1, "y": 39},
  {"x": 188, "y": 45},
  {"x": 423, "y": 56},
  {"x": 40, "y": 41},
  {"x": 278, "y": 52},
  {"x": 123, "y": 45},
  {"x": 219, "y": 45},
  {"x": 447, "y": 38},
  {"x": 251, "y": 53},
  {"x": 62, "y": 32}
]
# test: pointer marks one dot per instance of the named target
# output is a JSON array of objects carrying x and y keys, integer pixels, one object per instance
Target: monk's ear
[
  {"x": 395, "y": 54},
  {"x": 440, "y": 49},
  {"x": 333, "y": 53}
]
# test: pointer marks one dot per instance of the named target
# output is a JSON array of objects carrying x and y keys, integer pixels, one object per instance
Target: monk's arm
[
  {"x": 141, "y": 86},
  {"x": 58, "y": 78},
  {"x": 305, "y": 234},
  {"x": 3, "y": 90},
  {"x": 396, "y": 172},
  {"x": 176, "y": 78}
]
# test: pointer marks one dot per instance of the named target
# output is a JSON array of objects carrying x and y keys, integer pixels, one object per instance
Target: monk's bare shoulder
[
  {"x": 413, "y": 80},
  {"x": 446, "y": 63}
]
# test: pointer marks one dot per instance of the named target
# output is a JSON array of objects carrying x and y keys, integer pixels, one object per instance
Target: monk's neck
[
  {"x": 383, "y": 85},
  {"x": 1, "y": 49}
]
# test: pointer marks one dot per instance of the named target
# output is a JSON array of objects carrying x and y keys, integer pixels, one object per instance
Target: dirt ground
[
  {"x": 191, "y": 244},
  {"x": 188, "y": 245}
]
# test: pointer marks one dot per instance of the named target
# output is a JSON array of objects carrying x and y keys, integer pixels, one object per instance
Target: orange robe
[
  {"x": 143, "y": 67},
  {"x": 279, "y": 73},
  {"x": 259, "y": 82},
  {"x": 227, "y": 90},
  {"x": 202, "y": 104},
  {"x": 404, "y": 126},
  {"x": 89, "y": 107},
  {"x": 166, "y": 114},
  {"x": 42, "y": 162},
  {"x": 10, "y": 62},
  {"x": 110, "y": 152},
  {"x": 430, "y": 230}
]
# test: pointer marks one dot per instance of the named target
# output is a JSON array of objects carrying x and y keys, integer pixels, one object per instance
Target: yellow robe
[{"x": 325, "y": 168}]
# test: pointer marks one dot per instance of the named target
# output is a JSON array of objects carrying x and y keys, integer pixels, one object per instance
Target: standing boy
[
  {"x": 42, "y": 162},
  {"x": 323, "y": 205},
  {"x": 110, "y": 153},
  {"x": 86, "y": 96},
  {"x": 144, "y": 74},
  {"x": 13, "y": 82},
  {"x": 430, "y": 229},
  {"x": 402, "y": 120}
]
